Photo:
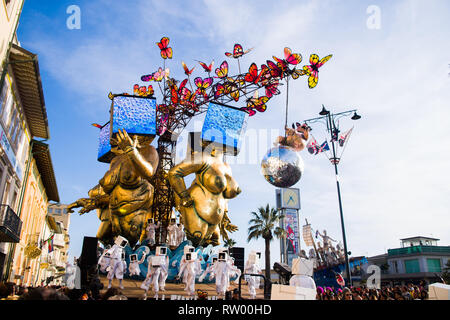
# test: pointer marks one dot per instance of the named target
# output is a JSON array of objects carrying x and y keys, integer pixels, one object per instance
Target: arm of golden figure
[
  {"x": 232, "y": 189},
  {"x": 86, "y": 204},
  {"x": 176, "y": 178},
  {"x": 225, "y": 225},
  {"x": 146, "y": 161}
]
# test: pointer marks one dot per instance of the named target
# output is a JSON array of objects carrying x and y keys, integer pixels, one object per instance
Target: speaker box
[
  {"x": 238, "y": 254},
  {"x": 89, "y": 252}
]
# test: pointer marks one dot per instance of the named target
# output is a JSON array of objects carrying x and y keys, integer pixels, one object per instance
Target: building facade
[{"x": 418, "y": 259}]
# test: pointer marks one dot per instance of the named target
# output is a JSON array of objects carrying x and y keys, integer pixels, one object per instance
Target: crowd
[
  {"x": 11, "y": 291},
  {"x": 404, "y": 292}
]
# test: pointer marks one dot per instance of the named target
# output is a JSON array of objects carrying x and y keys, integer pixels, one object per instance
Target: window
[
  {"x": 50, "y": 210},
  {"x": 3, "y": 96},
  {"x": 58, "y": 211},
  {"x": 412, "y": 266},
  {"x": 434, "y": 265},
  {"x": 396, "y": 266}
]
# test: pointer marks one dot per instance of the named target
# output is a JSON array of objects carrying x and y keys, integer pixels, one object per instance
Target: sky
[{"x": 390, "y": 62}]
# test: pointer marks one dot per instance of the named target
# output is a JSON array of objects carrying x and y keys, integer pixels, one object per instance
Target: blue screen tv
[
  {"x": 224, "y": 126},
  {"x": 137, "y": 115}
]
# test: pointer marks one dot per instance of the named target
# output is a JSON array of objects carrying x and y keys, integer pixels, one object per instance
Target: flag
[
  {"x": 312, "y": 146},
  {"x": 334, "y": 135},
  {"x": 340, "y": 280},
  {"x": 343, "y": 137},
  {"x": 323, "y": 147},
  {"x": 50, "y": 244}
]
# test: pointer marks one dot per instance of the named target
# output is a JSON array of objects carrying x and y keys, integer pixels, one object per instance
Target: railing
[
  {"x": 10, "y": 224},
  {"x": 418, "y": 249}
]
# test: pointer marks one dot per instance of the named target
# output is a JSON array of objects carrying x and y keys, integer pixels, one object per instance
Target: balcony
[
  {"x": 10, "y": 224},
  {"x": 419, "y": 250}
]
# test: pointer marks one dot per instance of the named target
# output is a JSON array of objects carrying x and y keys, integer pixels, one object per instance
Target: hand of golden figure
[{"x": 123, "y": 141}]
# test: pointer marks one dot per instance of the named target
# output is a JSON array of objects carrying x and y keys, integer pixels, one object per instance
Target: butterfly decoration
[
  {"x": 202, "y": 85},
  {"x": 220, "y": 90},
  {"x": 313, "y": 70},
  {"x": 166, "y": 51},
  {"x": 256, "y": 104},
  {"x": 289, "y": 57},
  {"x": 272, "y": 88},
  {"x": 96, "y": 125},
  {"x": 237, "y": 51},
  {"x": 275, "y": 70},
  {"x": 232, "y": 87},
  {"x": 110, "y": 95},
  {"x": 296, "y": 73},
  {"x": 222, "y": 72},
  {"x": 252, "y": 76},
  {"x": 186, "y": 69},
  {"x": 206, "y": 67},
  {"x": 163, "y": 124},
  {"x": 143, "y": 91}
]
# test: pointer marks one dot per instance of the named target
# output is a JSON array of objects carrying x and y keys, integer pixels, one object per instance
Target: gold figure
[
  {"x": 124, "y": 196},
  {"x": 203, "y": 206}
]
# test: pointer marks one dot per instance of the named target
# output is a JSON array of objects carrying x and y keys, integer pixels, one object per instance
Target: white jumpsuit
[
  {"x": 156, "y": 277},
  {"x": 253, "y": 282},
  {"x": 151, "y": 232},
  {"x": 117, "y": 266}
]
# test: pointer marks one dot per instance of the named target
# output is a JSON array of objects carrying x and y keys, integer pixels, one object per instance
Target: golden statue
[
  {"x": 203, "y": 206},
  {"x": 124, "y": 196}
]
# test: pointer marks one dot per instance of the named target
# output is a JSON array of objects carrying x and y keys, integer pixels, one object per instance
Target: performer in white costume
[
  {"x": 209, "y": 269},
  {"x": 105, "y": 259},
  {"x": 117, "y": 265},
  {"x": 172, "y": 233},
  {"x": 190, "y": 269},
  {"x": 133, "y": 268},
  {"x": 222, "y": 271},
  {"x": 158, "y": 270},
  {"x": 180, "y": 233},
  {"x": 252, "y": 266},
  {"x": 302, "y": 270},
  {"x": 151, "y": 231}
]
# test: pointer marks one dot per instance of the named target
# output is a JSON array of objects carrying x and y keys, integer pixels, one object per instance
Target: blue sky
[{"x": 395, "y": 170}]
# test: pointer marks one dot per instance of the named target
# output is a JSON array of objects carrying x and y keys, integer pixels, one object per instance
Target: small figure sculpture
[
  {"x": 157, "y": 272},
  {"x": 295, "y": 138},
  {"x": 180, "y": 234},
  {"x": 202, "y": 205},
  {"x": 252, "y": 266},
  {"x": 117, "y": 265},
  {"x": 325, "y": 239}
]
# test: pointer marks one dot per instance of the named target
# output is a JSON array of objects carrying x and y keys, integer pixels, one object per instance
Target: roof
[
  {"x": 27, "y": 77},
  {"x": 41, "y": 153},
  {"x": 419, "y": 237}
]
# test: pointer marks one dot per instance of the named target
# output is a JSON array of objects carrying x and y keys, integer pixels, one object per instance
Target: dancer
[
  {"x": 222, "y": 271},
  {"x": 157, "y": 272},
  {"x": 172, "y": 231},
  {"x": 252, "y": 266},
  {"x": 117, "y": 265},
  {"x": 151, "y": 231},
  {"x": 191, "y": 269},
  {"x": 134, "y": 264}
]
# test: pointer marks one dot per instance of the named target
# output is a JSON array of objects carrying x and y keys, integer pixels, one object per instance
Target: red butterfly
[
  {"x": 275, "y": 70},
  {"x": 206, "y": 67},
  {"x": 222, "y": 72},
  {"x": 289, "y": 57},
  {"x": 237, "y": 51},
  {"x": 166, "y": 52},
  {"x": 221, "y": 90},
  {"x": 143, "y": 91},
  {"x": 252, "y": 75},
  {"x": 272, "y": 88},
  {"x": 202, "y": 85},
  {"x": 97, "y": 125},
  {"x": 186, "y": 69}
]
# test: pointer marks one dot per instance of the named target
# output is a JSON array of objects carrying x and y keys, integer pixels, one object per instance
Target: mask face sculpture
[
  {"x": 203, "y": 205},
  {"x": 127, "y": 195}
]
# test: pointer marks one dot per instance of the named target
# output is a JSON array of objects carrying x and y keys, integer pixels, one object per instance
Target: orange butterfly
[
  {"x": 237, "y": 51},
  {"x": 206, "y": 67},
  {"x": 166, "y": 51},
  {"x": 186, "y": 69},
  {"x": 252, "y": 75},
  {"x": 222, "y": 72}
]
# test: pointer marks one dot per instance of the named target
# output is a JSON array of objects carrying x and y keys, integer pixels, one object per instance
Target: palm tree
[
  {"x": 264, "y": 225},
  {"x": 229, "y": 243}
]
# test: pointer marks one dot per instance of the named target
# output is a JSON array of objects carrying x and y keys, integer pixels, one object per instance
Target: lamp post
[{"x": 330, "y": 120}]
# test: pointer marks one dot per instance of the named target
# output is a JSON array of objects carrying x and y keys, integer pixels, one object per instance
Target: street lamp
[{"x": 330, "y": 120}]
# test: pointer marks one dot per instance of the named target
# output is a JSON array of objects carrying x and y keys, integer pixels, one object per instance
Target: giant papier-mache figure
[
  {"x": 124, "y": 196},
  {"x": 203, "y": 206}
]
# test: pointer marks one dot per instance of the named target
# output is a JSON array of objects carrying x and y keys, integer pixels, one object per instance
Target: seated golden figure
[
  {"x": 203, "y": 205},
  {"x": 126, "y": 190}
]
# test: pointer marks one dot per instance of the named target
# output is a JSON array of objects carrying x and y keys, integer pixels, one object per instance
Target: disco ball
[{"x": 282, "y": 167}]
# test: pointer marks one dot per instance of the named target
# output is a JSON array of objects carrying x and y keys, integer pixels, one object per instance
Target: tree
[
  {"x": 229, "y": 243},
  {"x": 264, "y": 225}
]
